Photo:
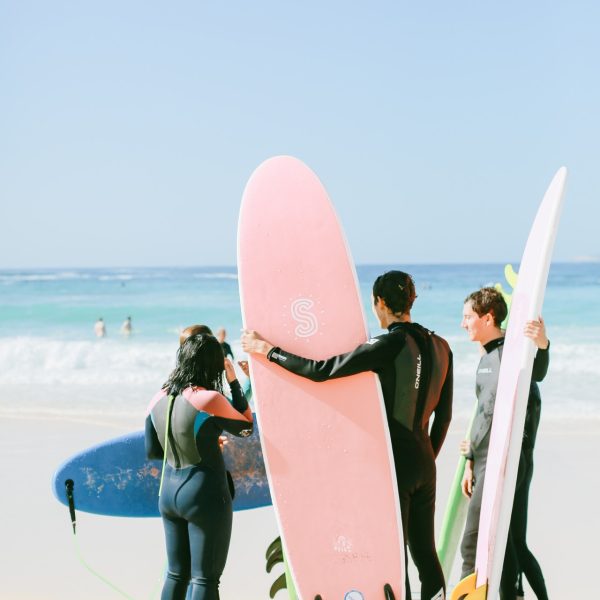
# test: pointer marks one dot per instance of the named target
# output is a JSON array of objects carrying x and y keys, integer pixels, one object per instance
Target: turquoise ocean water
[{"x": 51, "y": 364}]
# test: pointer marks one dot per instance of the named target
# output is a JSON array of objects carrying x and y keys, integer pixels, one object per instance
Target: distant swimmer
[
  {"x": 127, "y": 328},
  {"x": 221, "y": 335},
  {"x": 100, "y": 328}
]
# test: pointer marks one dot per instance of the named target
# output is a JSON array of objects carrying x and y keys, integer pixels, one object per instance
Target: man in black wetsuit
[
  {"x": 415, "y": 370},
  {"x": 483, "y": 313},
  {"x": 221, "y": 335}
]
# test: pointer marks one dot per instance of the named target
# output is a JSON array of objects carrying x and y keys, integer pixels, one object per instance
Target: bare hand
[
  {"x": 244, "y": 367},
  {"x": 467, "y": 482},
  {"x": 465, "y": 447},
  {"x": 223, "y": 441},
  {"x": 229, "y": 371},
  {"x": 254, "y": 343},
  {"x": 536, "y": 330}
]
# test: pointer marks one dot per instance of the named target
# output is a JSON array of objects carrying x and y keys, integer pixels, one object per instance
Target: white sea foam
[
  {"x": 215, "y": 276},
  {"x": 31, "y": 361},
  {"x": 60, "y": 276},
  {"x": 120, "y": 375},
  {"x": 115, "y": 277}
]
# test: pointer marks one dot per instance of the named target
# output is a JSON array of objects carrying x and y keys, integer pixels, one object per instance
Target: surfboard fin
[
  {"x": 466, "y": 589},
  {"x": 511, "y": 276},
  {"x": 273, "y": 546},
  {"x": 389, "y": 593},
  {"x": 278, "y": 585},
  {"x": 275, "y": 558}
]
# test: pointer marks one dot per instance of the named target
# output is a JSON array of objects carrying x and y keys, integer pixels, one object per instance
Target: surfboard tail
[{"x": 466, "y": 589}]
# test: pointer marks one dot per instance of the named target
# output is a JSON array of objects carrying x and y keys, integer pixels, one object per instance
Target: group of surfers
[{"x": 415, "y": 367}]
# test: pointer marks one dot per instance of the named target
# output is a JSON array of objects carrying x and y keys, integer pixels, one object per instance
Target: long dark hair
[{"x": 200, "y": 362}]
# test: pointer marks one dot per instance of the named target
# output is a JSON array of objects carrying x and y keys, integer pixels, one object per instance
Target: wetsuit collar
[
  {"x": 397, "y": 325},
  {"x": 494, "y": 344}
]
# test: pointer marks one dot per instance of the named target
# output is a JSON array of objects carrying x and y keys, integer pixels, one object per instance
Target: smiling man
[{"x": 483, "y": 313}]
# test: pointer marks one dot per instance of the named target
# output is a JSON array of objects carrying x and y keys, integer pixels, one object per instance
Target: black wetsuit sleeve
[
  {"x": 443, "y": 411},
  {"x": 153, "y": 448},
  {"x": 370, "y": 356},
  {"x": 237, "y": 427},
  {"x": 238, "y": 399},
  {"x": 540, "y": 364}
]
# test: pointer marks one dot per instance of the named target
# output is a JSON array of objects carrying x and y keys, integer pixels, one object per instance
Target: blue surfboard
[{"x": 115, "y": 478}]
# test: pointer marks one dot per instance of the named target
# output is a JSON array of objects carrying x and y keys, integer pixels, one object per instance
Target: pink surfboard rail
[
  {"x": 513, "y": 390},
  {"x": 326, "y": 445}
]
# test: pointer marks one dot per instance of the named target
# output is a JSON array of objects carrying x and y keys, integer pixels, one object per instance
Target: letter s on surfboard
[{"x": 301, "y": 313}]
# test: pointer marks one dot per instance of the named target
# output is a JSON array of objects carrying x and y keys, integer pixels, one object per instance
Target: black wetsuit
[
  {"x": 195, "y": 502},
  {"x": 227, "y": 350},
  {"x": 485, "y": 388},
  {"x": 526, "y": 561},
  {"x": 415, "y": 369}
]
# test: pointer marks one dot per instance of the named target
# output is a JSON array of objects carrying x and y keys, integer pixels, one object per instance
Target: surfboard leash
[{"x": 69, "y": 487}]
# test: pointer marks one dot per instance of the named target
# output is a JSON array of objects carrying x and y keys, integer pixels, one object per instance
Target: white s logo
[{"x": 307, "y": 322}]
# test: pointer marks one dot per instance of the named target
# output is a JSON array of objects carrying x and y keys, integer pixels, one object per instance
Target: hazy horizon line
[{"x": 574, "y": 261}]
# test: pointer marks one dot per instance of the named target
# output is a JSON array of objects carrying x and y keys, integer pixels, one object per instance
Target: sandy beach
[{"x": 39, "y": 560}]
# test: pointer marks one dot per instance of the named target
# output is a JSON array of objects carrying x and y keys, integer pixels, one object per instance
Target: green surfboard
[{"x": 454, "y": 516}]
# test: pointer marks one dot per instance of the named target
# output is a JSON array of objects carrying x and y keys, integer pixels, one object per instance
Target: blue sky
[{"x": 129, "y": 129}]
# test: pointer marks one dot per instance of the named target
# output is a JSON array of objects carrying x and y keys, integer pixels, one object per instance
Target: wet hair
[
  {"x": 200, "y": 362},
  {"x": 489, "y": 300},
  {"x": 397, "y": 289},
  {"x": 193, "y": 330}
]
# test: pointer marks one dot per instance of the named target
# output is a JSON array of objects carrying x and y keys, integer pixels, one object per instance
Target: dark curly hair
[
  {"x": 200, "y": 362},
  {"x": 397, "y": 290},
  {"x": 489, "y": 300}
]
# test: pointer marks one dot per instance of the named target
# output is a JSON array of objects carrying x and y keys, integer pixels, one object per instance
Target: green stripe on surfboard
[
  {"x": 291, "y": 589},
  {"x": 455, "y": 514}
]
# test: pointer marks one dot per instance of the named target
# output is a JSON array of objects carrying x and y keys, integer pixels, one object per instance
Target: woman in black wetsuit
[
  {"x": 186, "y": 417},
  {"x": 415, "y": 369}
]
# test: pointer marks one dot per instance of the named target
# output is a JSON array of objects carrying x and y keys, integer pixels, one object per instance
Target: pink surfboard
[
  {"x": 510, "y": 408},
  {"x": 326, "y": 445}
]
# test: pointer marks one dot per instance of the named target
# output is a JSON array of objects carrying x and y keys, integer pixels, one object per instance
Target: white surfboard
[{"x": 511, "y": 401}]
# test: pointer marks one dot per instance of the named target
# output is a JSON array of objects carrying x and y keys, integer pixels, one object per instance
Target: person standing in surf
[
  {"x": 183, "y": 426},
  {"x": 415, "y": 369},
  {"x": 221, "y": 335},
  {"x": 100, "y": 328},
  {"x": 483, "y": 313}
]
